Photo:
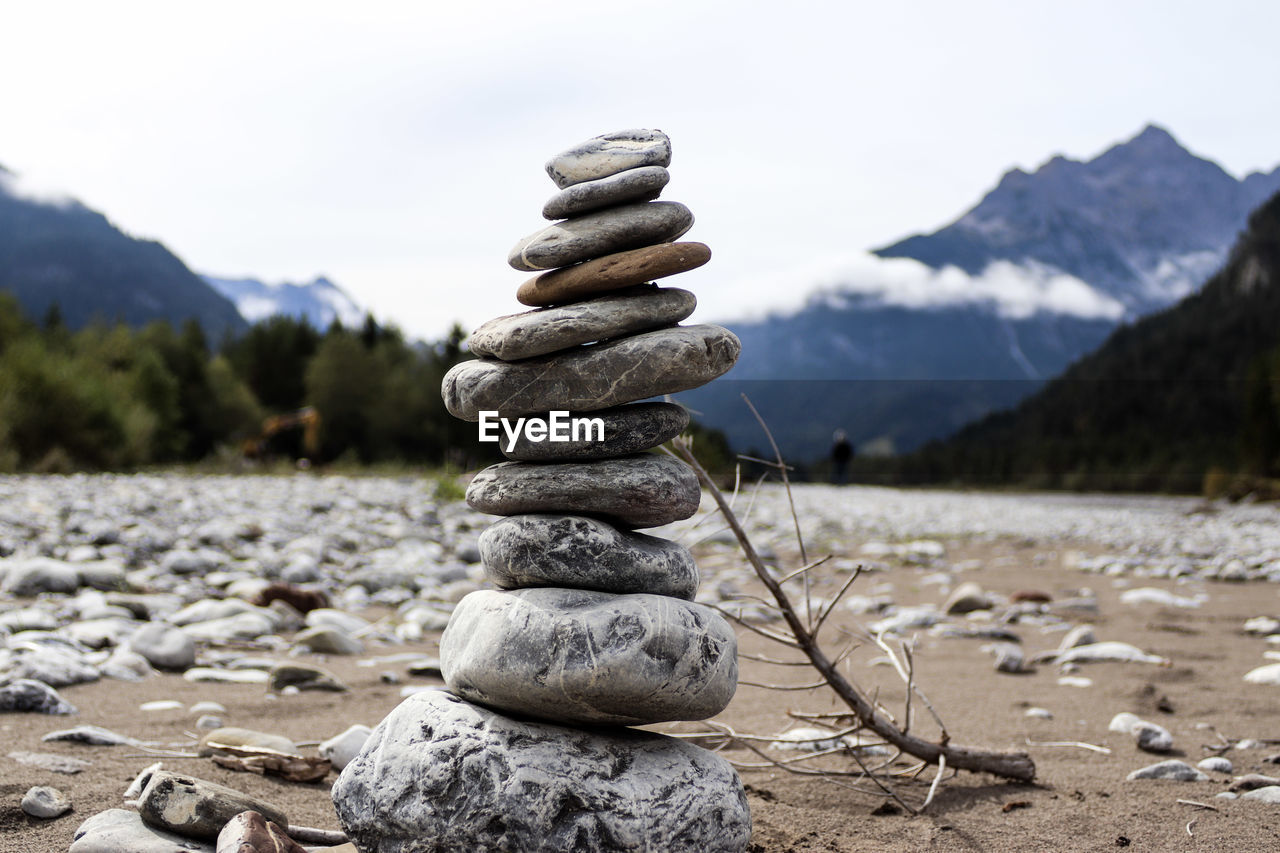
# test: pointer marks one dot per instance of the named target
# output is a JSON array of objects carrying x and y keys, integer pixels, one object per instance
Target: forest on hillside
[
  {"x": 118, "y": 398},
  {"x": 1185, "y": 396}
]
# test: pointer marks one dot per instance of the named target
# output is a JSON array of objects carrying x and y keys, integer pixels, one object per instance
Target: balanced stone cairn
[{"x": 592, "y": 627}]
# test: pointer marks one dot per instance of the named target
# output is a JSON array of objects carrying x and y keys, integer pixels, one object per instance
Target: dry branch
[{"x": 1017, "y": 766}]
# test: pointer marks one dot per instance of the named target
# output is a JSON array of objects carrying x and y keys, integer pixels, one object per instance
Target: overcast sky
[{"x": 398, "y": 147}]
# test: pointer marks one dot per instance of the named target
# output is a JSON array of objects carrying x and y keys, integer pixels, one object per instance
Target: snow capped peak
[{"x": 318, "y": 302}]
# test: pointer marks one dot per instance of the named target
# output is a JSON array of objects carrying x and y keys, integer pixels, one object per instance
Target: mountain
[
  {"x": 1163, "y": 399},
  {"x": 930, "y": 333},
  {"x": 1145, "y": 222},
  {"x": 319, "y": 302},
  {"x": 59, "y": 251}
]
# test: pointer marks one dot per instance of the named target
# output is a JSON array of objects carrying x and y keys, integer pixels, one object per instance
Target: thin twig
[
  {"x": 1198, "y": 805},
  {"x": 774, "y": 661},
  {"x": 814, "y": 686},
  {"x": 933, "y": 789},
  {"x": 747, "y": 458},
  {"x": 831, "y": 606},
  {"x": 803, "y": 569},
  {"x": 1102, "y": 749},
  {"x": 795, "y": 517}
]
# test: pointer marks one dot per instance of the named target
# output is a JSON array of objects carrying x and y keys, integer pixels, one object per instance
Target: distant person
[{"x": 841, "y": 453}]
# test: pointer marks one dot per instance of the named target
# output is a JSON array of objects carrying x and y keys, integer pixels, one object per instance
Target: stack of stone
[{"x": 593, "y": 627}]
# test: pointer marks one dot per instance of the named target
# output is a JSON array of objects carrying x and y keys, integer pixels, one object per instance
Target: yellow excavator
[{"x": 307, "y": 418}]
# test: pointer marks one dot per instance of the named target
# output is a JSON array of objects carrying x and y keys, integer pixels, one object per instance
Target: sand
[{"x": 1080, "y": 800}]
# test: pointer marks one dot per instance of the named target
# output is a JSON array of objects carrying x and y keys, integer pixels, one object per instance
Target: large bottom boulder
[{"x": 441, "y": 774}]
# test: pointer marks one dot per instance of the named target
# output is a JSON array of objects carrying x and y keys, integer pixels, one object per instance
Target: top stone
[{"x": 602, "y": 156}]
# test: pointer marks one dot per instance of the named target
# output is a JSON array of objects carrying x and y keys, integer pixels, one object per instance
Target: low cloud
[{"x": 1011, "y": 290}]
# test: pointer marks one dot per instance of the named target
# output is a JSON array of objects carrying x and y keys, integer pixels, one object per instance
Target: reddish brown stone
[
  {"x": 1032, "y": 596},
  {"x": 612, "y": 272}
]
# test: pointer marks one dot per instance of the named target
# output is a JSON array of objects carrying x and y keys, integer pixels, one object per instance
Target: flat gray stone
[
  {"x": 637, "y": 491},
  {"x": 1178, "y": 771},
  {"x": 29, "y": 577},
  {"x": 164, "y": 646},
  {"x": 593, "y": 235},
  {"x": 303, "y": 677},
  {"x": 45, "y": 803},
  {"x": 122, "y": 831},
  {"x": 50, "y": 761},
  {"x": 641, "y": 184},
  {"x": 579, "y": 656},
  {"x": 548, "y": 330},
  {"x": 595, "y": 377},
  {"x": 608, "y": 154},
  {"x": 627, "y": 429},
  {"x": 1270, "y": 794},
  {"x": 23, "y": 694},
  {"x": 440, "y": 774},
  {"x": 584, "y": 553},
  {"x": 195, "y": 808}
]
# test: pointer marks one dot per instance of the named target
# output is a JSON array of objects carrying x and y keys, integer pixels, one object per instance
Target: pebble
[
  {"x": 643, "y": 183},
  {"x": 1262, "y": 625},
  {"x": 328, "y": 641},
  {"x": 612, "y": 272},
  {"x": 1152, "y": 738},
  {"x": 1269, "y": 675},
  {"x": 248, "y": 738},
  {"x": 250, "y": 832},
  {"x": 162, "y": 705},
  {"x": 342, "y": 749},
  {"x": 606, "y": 790},
  {"x": 1216, "y": 764},
  {"x": 31, "y": 577},
  {"x": 91, "y": 735},
  {"x": 45, "y": 803},
  {"x": 627, "y": 429},
  {"x": 52, "y": 762},
  {"x": 606, "y": 232},
  {"x": 609, "y": 154},
  {"x": 164, "y": 646},
  {"x": 649, "y": 364},
  {"x": 579, "y": 656},
  {"x": 1269, "y": 794},
  {"x": 1164, "y": 598},
  {"x": 967, "y": 598},
  {"x": 1123, "y": 722},
  {"x": 208, "y": 722},
  {"x": 122, "y": 831},
  {"x": 211, "y": 675},
  {"x": 33, "y": 696},
  {"x": 547, "y": 330},
  {"x": 646, "y": 490},
  {"x": 1074, "y": 681},
  {"x": 303, "y": 677},
  {"x": 1108, "y": 651},
  {"x": 1038, "y": 713},
  {"x": 584, "y": 553},
  {"x": 195, "y": 808},
  {"x": 1178, "y": 771}
]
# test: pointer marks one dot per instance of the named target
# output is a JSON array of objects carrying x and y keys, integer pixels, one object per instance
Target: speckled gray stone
[
  {"x": 440, "y": 775},
  {"x": 548, "y": 330},
  {"x": 24, "y": 694},
  {"x": 596, "y": 377},
  {"x": 642, "y": 184},
  {"x": 580, "y": 656},
  {"x": 195, "y": 808},
  {"x": 45, "y": 803},
  {"x": 1178, "y": 771},
  {"x": 608, "y": 154},
  {"x": 585, "y": 553},
  {"x": 122, "y": 831},
  {"x": 593, "y": 235},
  {"x": 627, "y": 429},
  {"x": 646, "y": 490}
]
